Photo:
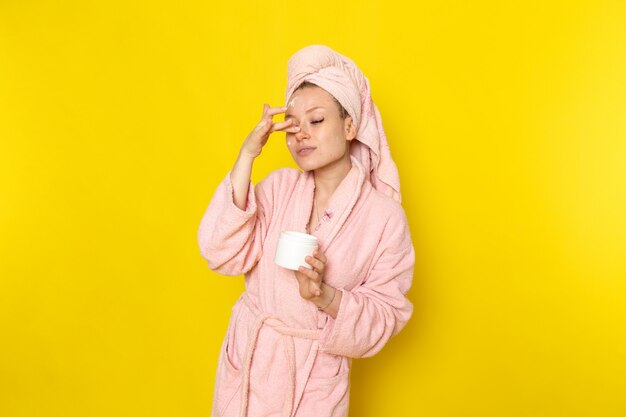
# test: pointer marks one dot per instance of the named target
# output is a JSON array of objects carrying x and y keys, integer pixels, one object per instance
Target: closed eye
[{"x": 317, "y": 121}]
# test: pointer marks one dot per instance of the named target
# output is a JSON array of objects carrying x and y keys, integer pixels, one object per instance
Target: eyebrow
[{"x": 309, "y": 110}]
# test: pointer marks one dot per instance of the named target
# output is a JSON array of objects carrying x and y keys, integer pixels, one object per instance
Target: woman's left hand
[{"x": 310, "y": 280}]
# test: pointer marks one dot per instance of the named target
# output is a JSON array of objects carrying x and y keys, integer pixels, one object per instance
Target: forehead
[
  {"x": 288, "y": 115},
  {"x": 309, "y": 97}
]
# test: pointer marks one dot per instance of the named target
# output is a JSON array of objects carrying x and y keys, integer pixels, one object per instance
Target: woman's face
[{"x": 324, "y": 137}]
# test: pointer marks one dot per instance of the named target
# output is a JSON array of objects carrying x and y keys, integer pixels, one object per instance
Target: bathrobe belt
[{"x": 295, "y": 387}]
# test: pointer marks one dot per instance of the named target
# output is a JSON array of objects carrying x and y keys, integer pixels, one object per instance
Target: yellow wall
[{"x": 118, "y": 120}]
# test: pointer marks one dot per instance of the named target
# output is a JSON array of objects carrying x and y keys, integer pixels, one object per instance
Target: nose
[{"x": 301, "y": 134}]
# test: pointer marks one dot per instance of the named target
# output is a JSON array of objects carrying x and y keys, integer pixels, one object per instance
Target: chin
[
  {"x": 304, "y": 164},
  {"x": 307, "y": 166}
]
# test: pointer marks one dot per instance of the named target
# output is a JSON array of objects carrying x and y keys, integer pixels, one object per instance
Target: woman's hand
[
  {"x": 251, "y": 148},
  {"x": 255, "y": 141},
  {"x": 310, "y": 280}
]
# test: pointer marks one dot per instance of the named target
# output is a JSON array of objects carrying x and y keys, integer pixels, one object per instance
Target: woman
[{"x": 292, "y": 334}]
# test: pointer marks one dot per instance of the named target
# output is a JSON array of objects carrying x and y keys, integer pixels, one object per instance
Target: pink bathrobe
[{"x": 281, "y": 356}]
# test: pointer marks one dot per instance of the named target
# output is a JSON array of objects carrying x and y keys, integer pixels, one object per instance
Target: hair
[{"x": 343, "y": 113}]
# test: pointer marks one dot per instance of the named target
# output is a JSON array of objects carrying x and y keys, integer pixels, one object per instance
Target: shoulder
[
  {"x": 393, "y": 221},
  {"x": 386, "y": 207},
  {"x": 281, "y": 176},
  {"x": 279, "y": 179}
]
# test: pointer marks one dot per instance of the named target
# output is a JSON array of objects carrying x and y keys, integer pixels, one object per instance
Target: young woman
[{"x": 292, "y": 334}]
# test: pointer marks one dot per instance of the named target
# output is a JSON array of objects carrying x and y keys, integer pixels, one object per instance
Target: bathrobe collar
[{"x": 340, "y": 204}]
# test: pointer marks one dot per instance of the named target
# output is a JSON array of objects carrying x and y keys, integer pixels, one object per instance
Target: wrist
[
  {"x": 325, "y": 299},
  {"x": 245, "y": 157}
]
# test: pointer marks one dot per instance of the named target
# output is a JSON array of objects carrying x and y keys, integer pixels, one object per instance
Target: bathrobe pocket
[
  {"x": 327, "y": 396},
  {"x": 229, "y": 371}
]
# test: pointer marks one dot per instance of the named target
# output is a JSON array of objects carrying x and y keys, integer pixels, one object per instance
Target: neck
[{"x": 328, "y": 178}]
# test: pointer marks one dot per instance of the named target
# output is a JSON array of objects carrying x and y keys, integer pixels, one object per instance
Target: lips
[{"x": 306, "y": 150}]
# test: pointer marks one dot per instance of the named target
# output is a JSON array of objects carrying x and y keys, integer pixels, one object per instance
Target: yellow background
[{"x": 508, "y": 124}]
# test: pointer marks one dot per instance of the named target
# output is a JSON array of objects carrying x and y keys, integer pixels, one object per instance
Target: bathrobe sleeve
[
  {"x": 371, "y": 313},
  {"x": 231, "y": 239}
]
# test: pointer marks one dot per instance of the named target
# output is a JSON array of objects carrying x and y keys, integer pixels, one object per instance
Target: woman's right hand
[{"x": 255, "y": 141}]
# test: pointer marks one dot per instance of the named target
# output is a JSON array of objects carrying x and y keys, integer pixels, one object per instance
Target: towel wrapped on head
[{"x": 339, "y": 76}]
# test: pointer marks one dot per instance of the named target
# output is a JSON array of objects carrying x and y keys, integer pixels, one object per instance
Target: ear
[{"x": 349, "y": 128}]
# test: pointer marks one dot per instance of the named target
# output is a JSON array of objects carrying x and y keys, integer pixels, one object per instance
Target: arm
[
  {"x": 370, "y": 314},
  {"x": 240, "y": 180},
  {"x": 234, "y": 226},
  {"x": 231, "y": 239}
]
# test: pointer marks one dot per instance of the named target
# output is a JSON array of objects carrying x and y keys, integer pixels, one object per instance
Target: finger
[
  {"x": 266, "y": 124},
  {"x": 315, "y": 285},
  {"x": 272, "y": 111},
  {"x": 320, "y": 255},
  {"x": 312, "y": 274},
  {"x": 283, "y": 126},
  {"x": 315, "y": 263},
  {"x": 301, "y": 277},
  {"x": 315, "y": 289}
]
